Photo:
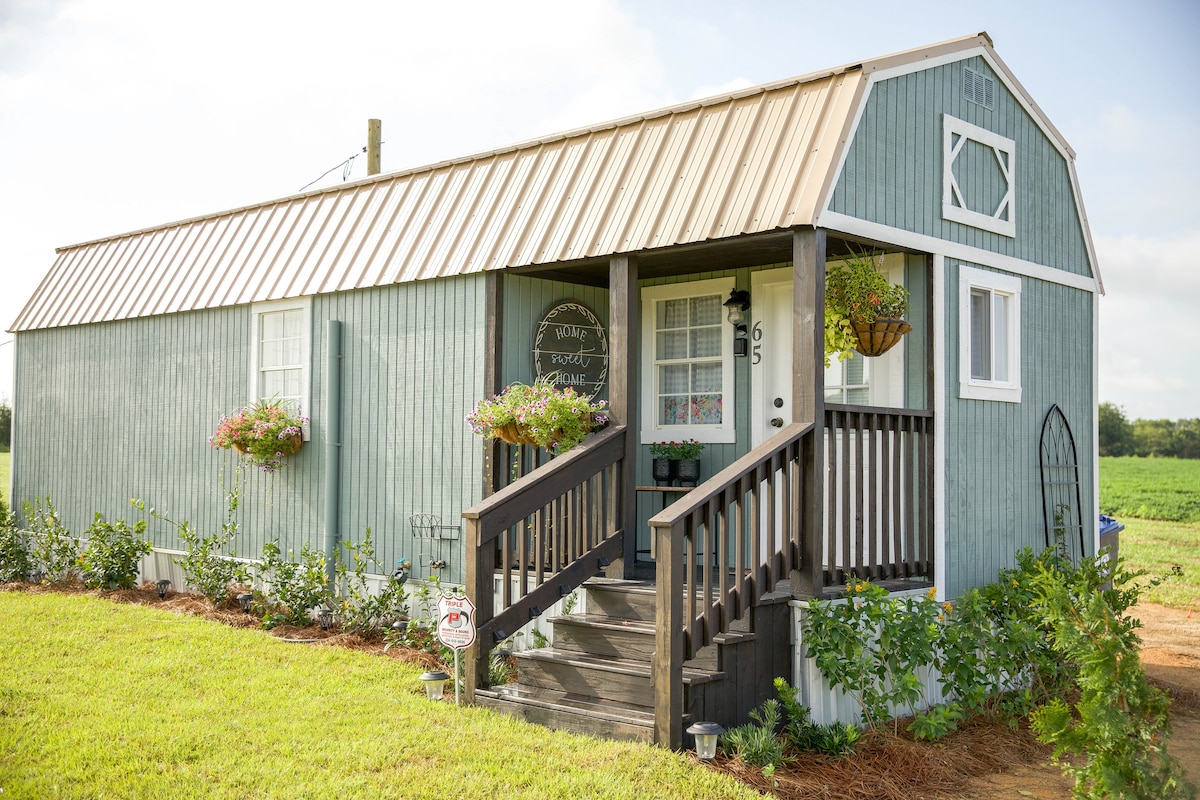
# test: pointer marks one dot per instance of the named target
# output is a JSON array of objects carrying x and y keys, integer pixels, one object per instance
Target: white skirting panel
[{"x": 828, "y": 704}]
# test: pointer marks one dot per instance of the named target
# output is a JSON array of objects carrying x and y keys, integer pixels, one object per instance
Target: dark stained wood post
[
  {"x": 666, "y": 674},
  {"x": 808, "y": 394},
  {"x": 623, "y": 311}
]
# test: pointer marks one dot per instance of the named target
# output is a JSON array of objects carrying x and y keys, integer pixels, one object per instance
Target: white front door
[{"x": 770, "y": 353}]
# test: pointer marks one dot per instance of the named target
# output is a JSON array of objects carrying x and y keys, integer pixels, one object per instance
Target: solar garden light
[
  {"x": 324, "y": 618},
  {"x": 435, "y": 683},
  {"x": 163, "y": 585},
  {"x": 706, "y": 734},
  {"x": 244, "y": 599}
]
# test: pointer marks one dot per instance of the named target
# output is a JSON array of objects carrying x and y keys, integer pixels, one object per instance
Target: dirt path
[{"x": 1171, "y": 655}]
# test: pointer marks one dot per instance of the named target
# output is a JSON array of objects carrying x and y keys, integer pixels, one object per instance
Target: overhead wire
[{"x": 346, "y": 166}]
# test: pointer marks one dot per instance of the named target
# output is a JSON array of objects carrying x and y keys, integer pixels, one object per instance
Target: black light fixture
[
  {"x": 324, "y": 618},
  {"x": 163, "y": 585},
  {"x": 244, "y": 599},
  {"x": 434, "y": 683},
  {"x": 736, "y": 307}
]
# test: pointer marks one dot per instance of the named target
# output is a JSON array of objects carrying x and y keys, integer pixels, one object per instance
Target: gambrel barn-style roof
[{"x": 757, "y": 160}]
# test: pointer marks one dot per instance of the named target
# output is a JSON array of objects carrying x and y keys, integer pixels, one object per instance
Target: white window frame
[
  {"x": 651, "y": 431},
  {"x": 971, "y": 388},
  {"x": 257, "y": 310},
  {"x": 954, "y": 206}
]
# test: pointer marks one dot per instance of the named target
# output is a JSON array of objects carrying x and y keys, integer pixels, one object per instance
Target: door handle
[{"x": 777, "y": 422}]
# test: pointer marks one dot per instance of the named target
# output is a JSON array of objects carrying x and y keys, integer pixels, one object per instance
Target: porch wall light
[
  {"x": 706, "y": 734},
  {"x": 736, "y": 307}
]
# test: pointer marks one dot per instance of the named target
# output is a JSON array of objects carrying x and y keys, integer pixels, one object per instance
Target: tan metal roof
[{"x": 757, "y": 160}]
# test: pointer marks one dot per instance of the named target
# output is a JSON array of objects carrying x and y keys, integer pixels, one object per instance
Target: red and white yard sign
[{"x": 456, "y": 622}]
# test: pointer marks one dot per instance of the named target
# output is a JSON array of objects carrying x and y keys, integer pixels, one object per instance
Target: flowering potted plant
[
  {"x": 266, "y": 431},
  {"x": 863, "y": 311},
  {"x": 541, "y": 414}
]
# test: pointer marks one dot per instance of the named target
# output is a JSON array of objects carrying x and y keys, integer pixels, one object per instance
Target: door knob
[{"x": 777, "y": 422}]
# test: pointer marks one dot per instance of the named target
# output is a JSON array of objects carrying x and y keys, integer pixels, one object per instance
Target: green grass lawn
[
  {"x": 99, "y": 699},
  {"x": 1155, "y": 547}
]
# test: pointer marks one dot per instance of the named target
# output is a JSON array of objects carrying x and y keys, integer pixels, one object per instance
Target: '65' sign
[{"x": 456, "y": 622}]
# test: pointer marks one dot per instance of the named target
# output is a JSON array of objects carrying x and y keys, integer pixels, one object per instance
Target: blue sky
[{"x": 122, "y": 114}]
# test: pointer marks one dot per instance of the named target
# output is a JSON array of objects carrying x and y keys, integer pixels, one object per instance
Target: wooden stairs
[{"x": 595, "y": 679}]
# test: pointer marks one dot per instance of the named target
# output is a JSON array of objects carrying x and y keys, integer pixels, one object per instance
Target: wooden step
[
  {"x": 634, "y": 600},
  {"x": 563, "y": 711},
  {"x": 602, "y": 635},
  {"x": 606, "y": 678}
]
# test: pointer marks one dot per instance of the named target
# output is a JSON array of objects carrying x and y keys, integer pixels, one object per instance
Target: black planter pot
[
  {"x": 664, "y": 471},
  {"x": 688, "y": 470}
]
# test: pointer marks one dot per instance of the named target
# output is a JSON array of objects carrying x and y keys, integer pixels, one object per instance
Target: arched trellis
[{"x": 1062, "y": 506}]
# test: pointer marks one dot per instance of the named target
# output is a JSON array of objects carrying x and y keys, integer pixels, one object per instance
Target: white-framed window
[
  {"x": 281, "y": 353},
  {"x": 687, "y": 362},
  {"x": 989, "y": 324},
  {"x": 848, "y": 382},
  {"x": 987, "y": 202}
]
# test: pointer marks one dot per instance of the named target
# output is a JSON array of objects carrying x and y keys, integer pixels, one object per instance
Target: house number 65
[{"x": 756, "y": 334}]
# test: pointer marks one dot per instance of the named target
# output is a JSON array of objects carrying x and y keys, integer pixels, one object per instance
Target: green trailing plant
[
  {"x": 288, "y": 588},
  {"x": 55, "y": 551},
  {"x": 359, "y": 609},
  {"x": 113, "y": 555},
  {"x": 855, "y": 291},
  {"x": 687, "y": 450},
  {"x": 541, "y": 414},
  {"x": 835, "y": 739},
  {"x": 209, "y": 563},
  {"x": 756, "y": 742},
  {"x": 873, "y": 645},
  {"x": 1119, "y": 724},
  {"x": 16, "y": 556},
  {"x": 266, "y": 432}
]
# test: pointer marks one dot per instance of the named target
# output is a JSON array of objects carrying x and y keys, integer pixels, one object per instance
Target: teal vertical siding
[
  {"x": 893, "y": 170},
  {"x": 992, "y": 475},
  {"x": 124, "y": 409}
]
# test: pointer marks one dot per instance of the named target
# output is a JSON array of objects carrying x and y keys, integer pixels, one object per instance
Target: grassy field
[
  {"x": 1166, "y": 489},
  {"x": 1158, "y": 501},
  {"x": 100, "y": 699}
]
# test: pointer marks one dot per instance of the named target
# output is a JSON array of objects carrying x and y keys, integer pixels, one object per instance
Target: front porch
[{"x": 839, "y": 491}]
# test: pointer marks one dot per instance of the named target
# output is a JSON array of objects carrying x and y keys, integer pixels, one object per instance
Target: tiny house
[{"x": 389, "y": 306}]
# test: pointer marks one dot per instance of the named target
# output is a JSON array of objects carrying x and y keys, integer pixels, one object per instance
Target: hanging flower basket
[
  {"x": 876, "y": 338},
  {"x": 266, "y": 432},
  {"x": 542, "y": 415}
]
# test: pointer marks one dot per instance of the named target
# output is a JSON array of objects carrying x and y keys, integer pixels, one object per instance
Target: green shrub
[
  {"x": 1120, "y": 725},
  {"x": 55, "y": 551},
  {"x": 834, "y": 739},
  {"x": 292, "y": 588},
  {"x": 756, "y": 742},
  {"x": 113, "y": 554},
  {"x": 360, "y": 611},
  {"x": 16, "y": 556}
]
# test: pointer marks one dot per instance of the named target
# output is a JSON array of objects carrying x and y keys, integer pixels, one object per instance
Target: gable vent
[{"x": 979, "y": 88}]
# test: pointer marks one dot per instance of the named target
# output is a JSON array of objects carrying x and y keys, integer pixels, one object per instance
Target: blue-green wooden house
[{"x": 387, "y": 307}]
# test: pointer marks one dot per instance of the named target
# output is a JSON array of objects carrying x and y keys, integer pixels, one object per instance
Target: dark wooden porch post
[
  {"x": 623, "y": 312},
  {"x": 808, "y": 395}
]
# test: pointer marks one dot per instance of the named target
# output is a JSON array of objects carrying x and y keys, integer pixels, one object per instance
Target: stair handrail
[
  {"x": 679, "y": 637},
  {"x": 491, "y": 517}
]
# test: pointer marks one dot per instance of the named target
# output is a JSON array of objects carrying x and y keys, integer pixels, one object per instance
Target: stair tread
[
  {"x": 611, "y": 710},
  {"x": 619, "y": 665},
  {"x": 606, "y": 622}
]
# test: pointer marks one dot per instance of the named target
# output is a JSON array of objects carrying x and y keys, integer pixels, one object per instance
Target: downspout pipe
[{"x": 333, "y": 445}]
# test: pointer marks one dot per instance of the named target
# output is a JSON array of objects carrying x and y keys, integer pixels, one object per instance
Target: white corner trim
[
  {"x": 939, "y": 425},
  {"x": 841, "y": 223},
  {"x": 1096, "y": 418}
]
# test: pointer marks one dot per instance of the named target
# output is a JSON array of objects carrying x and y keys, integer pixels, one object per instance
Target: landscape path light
[
  {"x": 244, "y": 599},
  {"x": 435, "y": 683},
  {"x": 706, "y": 734},
  {"x": 163, "y": 585}
]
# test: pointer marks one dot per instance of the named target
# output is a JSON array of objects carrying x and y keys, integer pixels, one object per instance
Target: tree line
[
  {"x": 1164, "y": 438},
  {"x": 5, "y": 427}
]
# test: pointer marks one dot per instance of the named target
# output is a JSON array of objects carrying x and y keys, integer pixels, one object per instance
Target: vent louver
[{"x": 979, "y": 88}]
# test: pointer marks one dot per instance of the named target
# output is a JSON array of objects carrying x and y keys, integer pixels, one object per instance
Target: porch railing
[
  {"x": 720, "y": 548},
  {"x": 539, "y": 538},
  {"x": 728, "y": 542},
  {"x": 878, "y": 494}
]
